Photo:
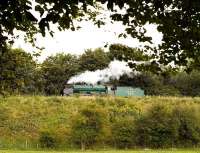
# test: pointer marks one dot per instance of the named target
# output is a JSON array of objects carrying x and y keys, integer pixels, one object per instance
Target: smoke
[{"x": 114, "y": 71}]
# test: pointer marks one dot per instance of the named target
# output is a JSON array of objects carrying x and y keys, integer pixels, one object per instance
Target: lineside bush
[
  {"x": 47, "y": 140},
  {"x": 156, "y": 128},
  {"x": 123, "y": 135},
  {"x": 188, "y": 120},
  {"x": 98, "y": 122},
  {"x": 88, "y": 126}
]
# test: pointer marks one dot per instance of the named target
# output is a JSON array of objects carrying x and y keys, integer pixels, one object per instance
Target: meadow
[{"x": 68, "y": 123}]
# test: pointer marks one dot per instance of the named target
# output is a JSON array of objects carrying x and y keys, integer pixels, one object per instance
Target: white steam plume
[{"x": 114, "y": 71}]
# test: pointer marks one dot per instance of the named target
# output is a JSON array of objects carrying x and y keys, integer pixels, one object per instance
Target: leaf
[
  {"x": 38, "y": 8},
  {"x": 30, "y": 16}
]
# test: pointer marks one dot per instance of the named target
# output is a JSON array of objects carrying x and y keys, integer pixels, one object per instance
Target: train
[{"x": 124, "y": 91}]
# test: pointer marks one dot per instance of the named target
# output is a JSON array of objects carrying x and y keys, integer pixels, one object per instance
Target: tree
[
  {"x": 135, "y": 57},
  {"x": 123, "y": 52},
  {"x": 47, "y": 140},
  {"x": 177, "y": 20},
  {"x": 56, "y": 71},
  {"x": 187, "y": 84},
  {"x": 152, "y": 84},
  {"x": 156, "y": 128},
  {"x": 16, "y": 72},
  {"x": 188, "y": 125},
  {"x": 89, "y": 126},
  {"x": 94, "y": 60},
  {"x": 19, "y": 15},
  {"x": 123, "y": 133}
]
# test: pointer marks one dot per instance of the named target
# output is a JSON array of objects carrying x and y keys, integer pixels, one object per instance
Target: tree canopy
[
  {"x": 93, "y": 60},
  {"x": 17, "y": 71},
  {"x": 20, "y": 74},
  {"x": 177, "y": 20},
  {"x": 56, "y": 70}
]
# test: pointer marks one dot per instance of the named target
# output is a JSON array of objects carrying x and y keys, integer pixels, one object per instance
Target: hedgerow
[{"x": 91, "y": 122}]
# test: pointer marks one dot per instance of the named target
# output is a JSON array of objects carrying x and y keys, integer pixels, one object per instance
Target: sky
[{"x": 88, "y": 37}]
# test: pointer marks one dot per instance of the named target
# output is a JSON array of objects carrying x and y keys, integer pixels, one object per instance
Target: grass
[{"x": 112, "y": 151}]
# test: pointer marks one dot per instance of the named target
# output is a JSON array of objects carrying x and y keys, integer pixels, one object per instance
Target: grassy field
[{"x": 113, "y": 151}]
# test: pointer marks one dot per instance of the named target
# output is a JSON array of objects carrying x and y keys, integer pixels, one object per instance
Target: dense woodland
[{"x": 21, "y": 74}]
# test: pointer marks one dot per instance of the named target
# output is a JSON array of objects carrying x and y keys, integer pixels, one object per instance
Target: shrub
[
  {"x": 88, "y": 127},
  {"x": 187, "y": 84},
  {"x": 156, "y": 128},
  {"x": 123, "y": 133},
  {"x": 95, "y": 123},
  {"x": 47, "y": 140},
  {"x": 168, "y": 90},
  {"x": 188, "y": 119}
]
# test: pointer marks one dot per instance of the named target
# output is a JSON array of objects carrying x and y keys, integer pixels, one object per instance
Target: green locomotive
[{"x": 124, "y": 91}]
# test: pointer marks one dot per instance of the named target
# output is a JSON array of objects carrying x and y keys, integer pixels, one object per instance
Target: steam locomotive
[{"x": 114, "y": 90}]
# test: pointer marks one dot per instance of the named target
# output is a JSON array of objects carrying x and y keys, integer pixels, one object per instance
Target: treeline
[
  {"x": 178, "y": 84},
  {"x": 21, "y": 74},
  {"x": 92, "y": 123}
]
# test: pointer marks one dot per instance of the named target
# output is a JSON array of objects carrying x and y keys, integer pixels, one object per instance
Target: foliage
[
  {"x": 110, "y": 151},
  {"x": 20, "y": 15},
  {"x": 152, "y": 84},
  {"x": 123, "y": 133},
  {"x": 178, "y": 21},
  {"x": 20, "y": 74},
  {"x": 4, "y": 116},
  {"x": 16, "y": 72},
  {"x": 188, "y": 129},
  {"x": 94, "y": 60},
  {"x": 88, "y": 127},
  {"x": 47, "y": 140},
  {"x": 123, "y": 52},
  {"x": 31, "y": 122},
  {"x": 174, "y": 19},
  {"x": 187, "y": 84},
  {"x": 56, "y": 70},
  {"x": 134, "y": 56},
  {"x": 156, "y": 128}
]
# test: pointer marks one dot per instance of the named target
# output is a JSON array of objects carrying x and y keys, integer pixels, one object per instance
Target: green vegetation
[
  {"x": 99, "y": 122},
  {"x": 20, "y": 74},
  {"x": 17, "y": 72},
  {"x": 95, "y": 122},
  {"x": 112, "y": 151},
  {"x": 178, "y": 21}
]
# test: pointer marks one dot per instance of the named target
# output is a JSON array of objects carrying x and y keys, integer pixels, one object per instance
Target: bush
[
  {"x": 187, "y": 84},
  {"x": 94, "y": 123},
  {"x": 168, "y": 90},
  {"x": 188, "y": 119},
  {"x": 47, "y": 140},
  {"x": 88, "y": 127},
  {"x": 123, "y": 133},
  {"x": 155, "y": 128}
]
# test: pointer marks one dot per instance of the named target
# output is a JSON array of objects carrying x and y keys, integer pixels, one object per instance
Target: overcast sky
[{"x": 89, "y": 36}]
